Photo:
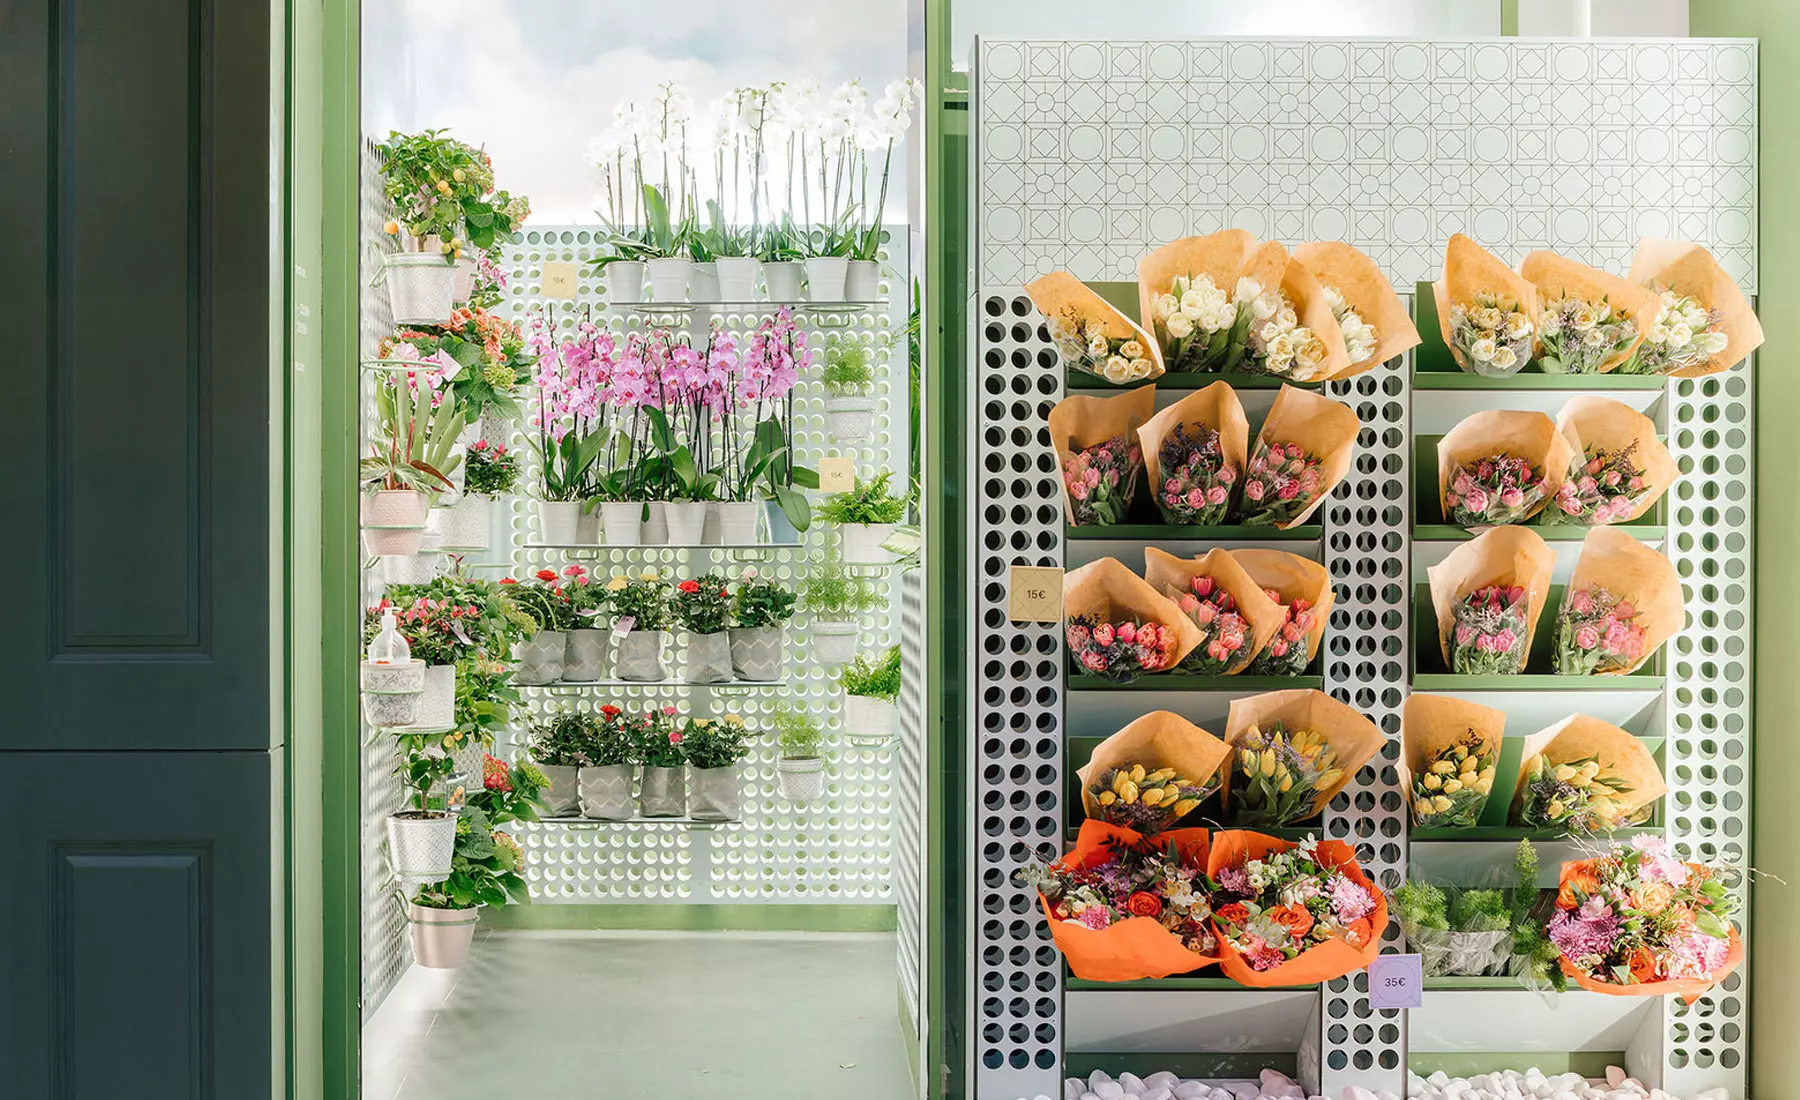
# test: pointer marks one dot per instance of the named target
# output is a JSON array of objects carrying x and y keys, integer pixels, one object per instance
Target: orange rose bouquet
[
  {"x": 1292, "y": 913},
  {"x": 1638, "y": 922}
]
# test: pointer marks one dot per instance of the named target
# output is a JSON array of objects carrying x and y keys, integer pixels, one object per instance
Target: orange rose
[
  {"x": 1577, "y": 879},
  {"x": 1142, "y": 904},
  {"x": 1644, "y": 966},
  {"x": 1293, "y": 918},
  {"x": 1234, "y": 912}
]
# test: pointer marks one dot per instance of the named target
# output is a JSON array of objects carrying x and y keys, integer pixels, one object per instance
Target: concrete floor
[{"x": 782, "y": 1016}]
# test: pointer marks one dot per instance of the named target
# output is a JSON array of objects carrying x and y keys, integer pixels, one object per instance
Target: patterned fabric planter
[
  {"x": 562, "y": 798},
  {"x": 541, "y": 658},
  {"x": 756, "y": 654},
  {"x": 708, "y": 659},
  {"x": 716, "y": 794},
  {"x": 584, "y": 655},
  {"x": 640, "y": 656},
  {"x": 437, "y": 706},
  {"x": 606, "y": 791},
  {"x": 663, "y": 792}
]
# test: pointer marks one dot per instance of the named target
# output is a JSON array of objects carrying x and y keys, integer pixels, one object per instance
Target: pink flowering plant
[
  {"x": 1281, "y": 481},
  {"x": 1224, "y": 632},
  {"x": 1196, "y": 480},
  {"x": 1494, "y": 491},
  {"x": 490, "y": 469},
  {"x": 1639, "y": 915},
  {"x": 1286, "y": 653},
  {"x": 1490, "y": 635},
  {"x": 1118, "y": 650},
  {"x": 1284, "y": 900},
  {"x": 658, "y": 738},
  {"x": 1597, "y": 632},
  {"x": 1604, "y": 486},
  {"x": 1101, "y": 480}
]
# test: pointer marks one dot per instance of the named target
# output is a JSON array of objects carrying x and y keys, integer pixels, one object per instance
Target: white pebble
[
  {"x": 1096, "y": 1079},
  {"x": 1160, "y": 1092},
  {"x": 1193, "y": 1090},
  {"x": 1131, "y": 1083},
  {"x": 1162, "y": 1079},
  {"x": 1073, "y": 1088},
  {"x": 1109, "y": 1090}
]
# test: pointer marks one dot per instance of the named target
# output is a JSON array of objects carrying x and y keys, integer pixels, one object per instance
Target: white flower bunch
[
  {"x": 1580, "y": 335},
  {"x": 1083, "y": 344},
  {"x": 1360, "y": 337},
  {"x": 1493, "y": 335},
  {"x": 1685, "y": 334},
  {"x": 1279, "y": 344}
]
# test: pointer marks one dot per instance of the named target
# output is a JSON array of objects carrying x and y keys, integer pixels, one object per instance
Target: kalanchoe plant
[
  {"x": 1197, "y": 482},
  {"x": 1597, "y": 632},
  {"x": 1494, "y": 491},
  {"x": 439, "y": 632},
  {"x": 1102, "y": 479},
  {"x": 702, "y": 605},
  {"x": 831, "y": 592},
  {"x": 760, "y": 603},
  {"x": 1490, "y": 632},
  {"x": 798, "y": 735},
  {"x": 491, "y": 469},
  {"x": 479, "y": 359},
  {"x": 643, "y": 600},
  {"x": 715, "y": 742},
  {"x": 1282, "y": 481},
  {"x": 869, "y": 502},
  {"x": 659, "y": 739},
  {"x": 488, "y": 620},
  {"x": 877, "y": 679},
  {"x": 416, "y": 446}
]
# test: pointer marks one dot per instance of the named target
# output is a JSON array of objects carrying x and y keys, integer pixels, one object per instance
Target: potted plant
[
  {"x": 413, "y": 459},
  {"x": 662, "y": 790},
  {"x": 609, "y": 759},
  {"x": 715, "y": 748},
  {"x": 667, "y": 237},
  {"x": 837, "y": 599},
  {"x": 891, "y": 115},
  {"x": 422, "y": 833},
  {"x": 849, "y": 378},
  {"x": 780, "y": 250},
  {"x": 445, "y": 201},
  {"x": 436, "y": 634},
  {"x": 789, "y": 511},
  {"x": 865, "y": 516},
  {"x": 871, "y": 691},
  {"x": 729, "y": 249},
  {"x": 557, "y": 745},
  {"x": 584, "y": 658},
  {"x": 476, "y": 358},
  {"x": 800, "y": 740},
  {"x": 689, "y": 487},
  {"x": 760, "y": 610},
  {"x": 543, "y": 601},
  {"x": 489, "y": 471},
  {"x": 640, "y": 608},
  {"x": 568, "y": 442},
  {"x": 392, "y": 681},
  {"x": 485, "y": 698},
  {"x": 620, "y": 491},
  {"x": 702, "y": 607}
]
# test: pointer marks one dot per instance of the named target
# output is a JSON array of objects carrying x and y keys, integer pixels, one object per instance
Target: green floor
[{"x": 607, "y": 1014}]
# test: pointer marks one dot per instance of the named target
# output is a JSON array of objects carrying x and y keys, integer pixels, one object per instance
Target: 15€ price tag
[
  {"x": 1034, "y": 594},
  {"x": 558, "y": 279},
  {"x": 837, "y": 474},
  {"x": 1396, "y": 981}
]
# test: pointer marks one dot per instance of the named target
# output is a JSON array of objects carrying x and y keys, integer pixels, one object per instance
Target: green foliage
[
  {"x": 1480, "y": 911},
  {"x": 715, "y": 742},
  {"x": 485, "y": 697},
  {"x": 780, "y": 242},
  {"x": 798, "y": 735},
  {"x": 702, "y": 605},
  {"x": 544, "y": 604},
  {"x": 759, "y": 603},
  {"x": 1525, "y": 882},
  {"x": 491, "y": 469},
  {"x": 657, "y": 739},
  {"x": 610, "y": 739},
  {"x": 868, "y": 502},
  {"x": 442, "y": 187},
  {"x": 487, "y": 865},
  {"x": 644, "y": 599},
  {"x": 416, "y": 448},
  {"x": 832, "y": 592},
  {"x": 561, "y": 740},
  {"x": 1421, "y": 905},
  {"x": 873, "y": 679},
  {"x": 849, "y": 369},
  {"x": 769, "y": 462},
  {"x": 452, "y": 617},
  {"x": 566, "y": 466}
]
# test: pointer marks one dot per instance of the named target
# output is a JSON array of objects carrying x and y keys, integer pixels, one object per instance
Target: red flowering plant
[
  {"x": 1196, "y": 479},
  {"x": 587, "y": 598},
  {"x": 1281, "y": 481},
  {"x": 1287, "y": 652},
  {"x": 1597, "y": 632},
  {"x": 702, "y": 605},
  {"x": 658, "y": 737},
  {"x": 1223, "y": 631},
  {"x": 1101, "y": 481},
  {"x": 1275, "y": 902},
  {"x": 543, "y": 600},
  {"x": 480, "y": 358},
  {"x": 1118, "y": 651},
  {"x": 1494, "y": 491},
  {"x": 440, "y": 632},
  {"x": 1490, "y": 633},
  {"x": 490, "y": 469}
]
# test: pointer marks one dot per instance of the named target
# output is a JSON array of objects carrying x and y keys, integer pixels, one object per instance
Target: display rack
[{"x": 1087, "y": 154}]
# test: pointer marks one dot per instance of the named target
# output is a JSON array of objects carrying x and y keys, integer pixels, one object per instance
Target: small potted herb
[
  {"x": 662, "y": 791},
  {"x": 412, "y": 460},
  {"x": 489, "y": 471},
  {"x": 837, "y": 600},
  {"x": 546, "y": 605},
  {"x": 801, "y": 742},
  {"x": 866, "y": 515},
  {"x": 609, "y": 759},
  {"x": 702, "y": 607},
  {"x": 715, "y": 747},
  {"x": 640, "y": 608},
  {"x": 584, "y": 657},
  {"x": 487, "y": 865},
  {"x": 760, "y": 610},
  {"x": 871, "y": 692},
  {"x": 849, "y": 378},
  {"x": 557, "y": 746}
]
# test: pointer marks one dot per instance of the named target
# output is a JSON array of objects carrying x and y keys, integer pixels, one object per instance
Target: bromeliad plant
[
  {"x": 417, "y": 446},
  {"x": 867, "y": 502}
]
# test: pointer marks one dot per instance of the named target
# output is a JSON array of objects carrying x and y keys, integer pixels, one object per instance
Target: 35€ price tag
[
  {"x": 1396, "y": 981},
  {"x": 837, "y": 474},
  {"x": 557, "y": 280},
  {"x": 1034, "y": 594}
]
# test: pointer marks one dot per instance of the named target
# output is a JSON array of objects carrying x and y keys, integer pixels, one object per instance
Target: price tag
[
  {"x": 558, "y": 279},
  {"x": 1034, "y": 594},
  {"x": 1396, "y": 981},
  {"x": 837, "y": 474}
]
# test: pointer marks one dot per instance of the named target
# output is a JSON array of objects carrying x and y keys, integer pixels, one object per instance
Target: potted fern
[
  {"x": 849, "y": 378},
  {"x": 640, "y": 607},
  {"x": 871, "y": 693},
  {"x": 800, "y": 741},
  {"x": 557, "y": 746},
  {"x": 702, "y": 607},
  {"x": 413, "y": 460},
  {"x": 544, "y": 603},
  {"x": 865, "y": 516},
  {"x": 609, "y": 758},
  {"x": 760, "y": 610},
  {"x": 837, "y": 600},
  {"x": 715, "y": 750}
]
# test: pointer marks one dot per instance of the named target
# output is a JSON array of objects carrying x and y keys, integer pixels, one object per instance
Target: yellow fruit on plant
[
  {"x": 459, "y": 175},
  {"x": 443, "y": 187},
  {"x": 391, "y": 228}
]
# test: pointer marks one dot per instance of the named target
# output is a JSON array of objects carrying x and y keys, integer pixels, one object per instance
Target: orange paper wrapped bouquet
[{"x": 1291, "y": 913}]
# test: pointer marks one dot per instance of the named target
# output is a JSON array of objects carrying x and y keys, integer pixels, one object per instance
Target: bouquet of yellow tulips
[
  {"x": 1454, "y": 786},
  {"x": 1584, "y": 776},
  {"x": 1146, "y": 801},
  {"x": 1281, "y": 772}
]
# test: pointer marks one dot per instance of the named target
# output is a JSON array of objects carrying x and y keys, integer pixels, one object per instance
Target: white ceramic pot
[
  {"x": 465, "y": 525},
  {"x": 557, "y": 522},
  {"x": 737, "y": 522},
  {"x": 391, "y": 693},
  {"x": 757, "y": 652},
  {"x": 716, "y": 794},
  {"x": 440, "y": 938},
  {"x": 669, "y": 277},
  {"x": 606, "y": 791},
  {"x": 420, "y": 844},
  {"x": 562, "y": 795},
  {"x": 587, "y": 525},
  {"x": 541, "y": 658},
  {"x": 437, "y": 706},
  {"x": 584, "y": 655},
  {"x": 703, "y": 283},
  {"x": 862, "y": 281},
  {"x": 862, "y": 542},
  {"x": 662, "y": 792},
  {"x": 868, "y": 719},
  {"x": 686, "y": 521},
  {"x": 417, "y": 568},
  {"x": 850, "y": 419},
  {"x": 462, "y": 283},
  {"x": 825, "y": 278},
  {"x": 393, "y": 520},
  {"x": 801, "y": 780},
  {"x": 624, "y": 282},
  {"x": 708, "y": 659},
  {"x": 781, "y": 278},
  {"x": 737, "y": 278},
  {"x": 640, "y": 656},
  {"x": 623, "y": 521},
  {"x": 420, "y": 287},
  {"x": 709, "y": 529},
  {"x": 834, "y": 643},
  {"x": 656, "y": 524}
]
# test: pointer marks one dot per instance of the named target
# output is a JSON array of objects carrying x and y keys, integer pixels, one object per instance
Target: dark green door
[{"x": 139, "y": 904}]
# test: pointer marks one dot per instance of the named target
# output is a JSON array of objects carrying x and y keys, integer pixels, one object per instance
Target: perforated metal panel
[{"x": 909, "y": 816}]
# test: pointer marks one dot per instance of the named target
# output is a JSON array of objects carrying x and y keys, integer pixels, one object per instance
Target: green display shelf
[
  {"x": 1175, "y": 681},
  {"x": 1168, "y": 532},
  {"x": 1430, "y": 673},
  {"x": 1177, "y": 983},
  {"x": 1511, "y": 835},
  {"x": 1183, "y": 381},
  {"x": 1428, "y": 510},
  {"x": 1435, "y": 369}
]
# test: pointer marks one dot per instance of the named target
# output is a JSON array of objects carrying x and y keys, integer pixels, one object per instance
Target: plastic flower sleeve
[
  {"x": 1474, "y": 282},
  {"x": 1362, "y": 289},
  {"x": 1500, "y": 466},
  {"x": 1097, "y": 450},
  {"x": 1582, "y": 776},
  {"x": 1436, "y": 775},
  {"x": 1499, "y": 557}
]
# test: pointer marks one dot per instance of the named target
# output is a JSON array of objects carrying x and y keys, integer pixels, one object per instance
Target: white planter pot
[
  {"x": 709, "y": 529},
  {"x": 584, "y": 655},
  {"x": 391, "y": 693},
  {"x": 756, "y": 653},
  {"x": 862, "y": 542},
  {"x": 663, "y": 792},
  {"x": 781, "y": 278},
  {"x": 716, "y": 794},
  {"x": 703, "y": 283},
  {"x": 587, "y": 526},
  {"x": 737, "y": 521},
  {"x": 737, "y": 278},
  {"x": 393, "y": 520},
  {"x": 801, "y": 780},
  {"x": 417, "y": 568},
  {"x": 669, "y": 277},
  {"x": 834, "y": 643},
  {"x": 625, "y": 282},
  {"x": 606, "y": 792},
  {"x": 686, "y": 521},
  {"x": 465, "y": 525},
  {"x": 462, "y": 283},
  {"x": 825, "y": 278},
  {"x": 437, "y": 706},
  {"x": 868, "y": 719},
  {"x": 440, "y": 938},
  {"x": 781, "y": 531},
  {"x": 862, "y": 281},
  {"x": 656, "y": 523},
  {"x": 541, "y": 658},
  {"x": 640, "y": 656},
  {"x": 562, "y": 795},
  {"x": 558, "y": 521},
  {"x": 850, "y": 419},
  {"x": 623, "y": 521},
  {"x": 420, "y": 843},
  {"x": 708, "y": 659},
  {"x": 420, "y": 287}
]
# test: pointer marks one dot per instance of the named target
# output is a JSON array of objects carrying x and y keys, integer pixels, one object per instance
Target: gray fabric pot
[
  {"x": 584, "y": 657},
  {"x": 834, "y": 642},
  {"x": 708, "y": 659},
  {"x": 663, "y": 792},
  {"x": 717, "y": 793},
  {"x": 640, "y": 656},
  {"x": 756, "y": 653},
  {"x": 606, "y": 791},
  {"x": 562, "y": 798},
  {"x": 541, "y": 658}
]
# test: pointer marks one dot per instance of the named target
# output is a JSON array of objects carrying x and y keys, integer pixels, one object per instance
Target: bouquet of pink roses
[
  {"x": 1282, "y": 482},
  {"x": 1496, "y": 490},
  {"x": 1196, "y": 479}
]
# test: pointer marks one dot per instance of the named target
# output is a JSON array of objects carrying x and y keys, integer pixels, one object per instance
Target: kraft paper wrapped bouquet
[
  {"x": 1194, "y": 455},
  {"x": 1621, "y": 604},
  {"x": 1234, "y": 617},
  {"x": 1588, "y": 321},
  {"x": 1703, "y": 325},
  {"x": 1292, "y": 752},
  {"x": 1292, "y": 334},
  {"x": 1096, "y": 442},
  {"x": 1583, "y": 776},
  {"x": 1118, "y": 627},
  {"x": 1486, "y": 311},
  {"x": 1302, "y": 589},
  {"x": 1152, "y": 773},
  {"x": 1090, "y": 335},
  {"x": 1303, "y": 450},
  {"x": 1291, "y": 913},
  {"x": 1500, "y": 466},
  {"x": 1488, "y": 594},
  {"x": 1185, "y": 293},
  {"x": 1449, "y": 750},
  {"x": 1618, "y": 468},
  {"x": 1375, "y": 323}
]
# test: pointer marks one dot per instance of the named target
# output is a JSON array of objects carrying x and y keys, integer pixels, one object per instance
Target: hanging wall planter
[
  {"x": 440, "y": 938},
  {"x": 867, "y": 718},
  {"x": 663, "y": 792},
  {"x": 420, "y": 286},
  {"x": 716, "y": 794},
  {"x": 437, "y": 706},
  {"x": 606, "y": 791},
  {"x": 686, "y": 520},
  {"x": 420, "y": 844},
  {"x": 391, "y": 693},
  {"x": 708, "y": 659},
  {"x": 862, "y": 281},
  {"x": 640, "y": 656},
  {"x": 802, "y": 780},
  {"x": 393, "y": 521},
  {"x": 756, "y": 653},
  {"x": 559, "y": 522},
  {"x": 465, "y": 525},
  {"x": 834, "y": 643},
  {"x": 541, "y": 658},
  {"x": 825, "y": 278},
  {"x": 462, "y": 282},
  {"x": 417, "y": 568},
  {"x": 862, "y": 542},
  {"x": 562, "y": 794},
  {"x": 584, "y": 657},
  {"x": 850, "y": 419},
  {"x": 624, "y": 282}
]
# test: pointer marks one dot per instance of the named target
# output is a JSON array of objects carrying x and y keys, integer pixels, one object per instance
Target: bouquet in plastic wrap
[
  {"x": 1449, "y": 749},
  {"x": 1487, "y": 594},
  {"x": 1090, "y": 335},
  {"x": 1589, "y": 321},
  {"x": 1194, "y": 453},
  {"x": 1703, "y": 324},
  {"x": 1302, "y": 452},
  {"x": 1499, "y": 467},
  {"x": 1292, "y": 752},
  {"x": 1097, "y": 448}
]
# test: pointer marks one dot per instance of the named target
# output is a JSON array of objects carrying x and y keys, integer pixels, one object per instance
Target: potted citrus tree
[
  {"x": 837, "y": 600},
  {"x": 445, "y": 207},
  {"x": 640, "y": 609},
  {"x": 609, "y": 759},
  {"x": 865, "y": 516},
  {"x": 412, "y": 460},
  {"x": 702, "y": 607},
  {"x": 800, "y": 742},
  {"x": 871, "y": 692},
  {"x": 715, "y": 750},
  {"x": 760, "y": 610}
]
